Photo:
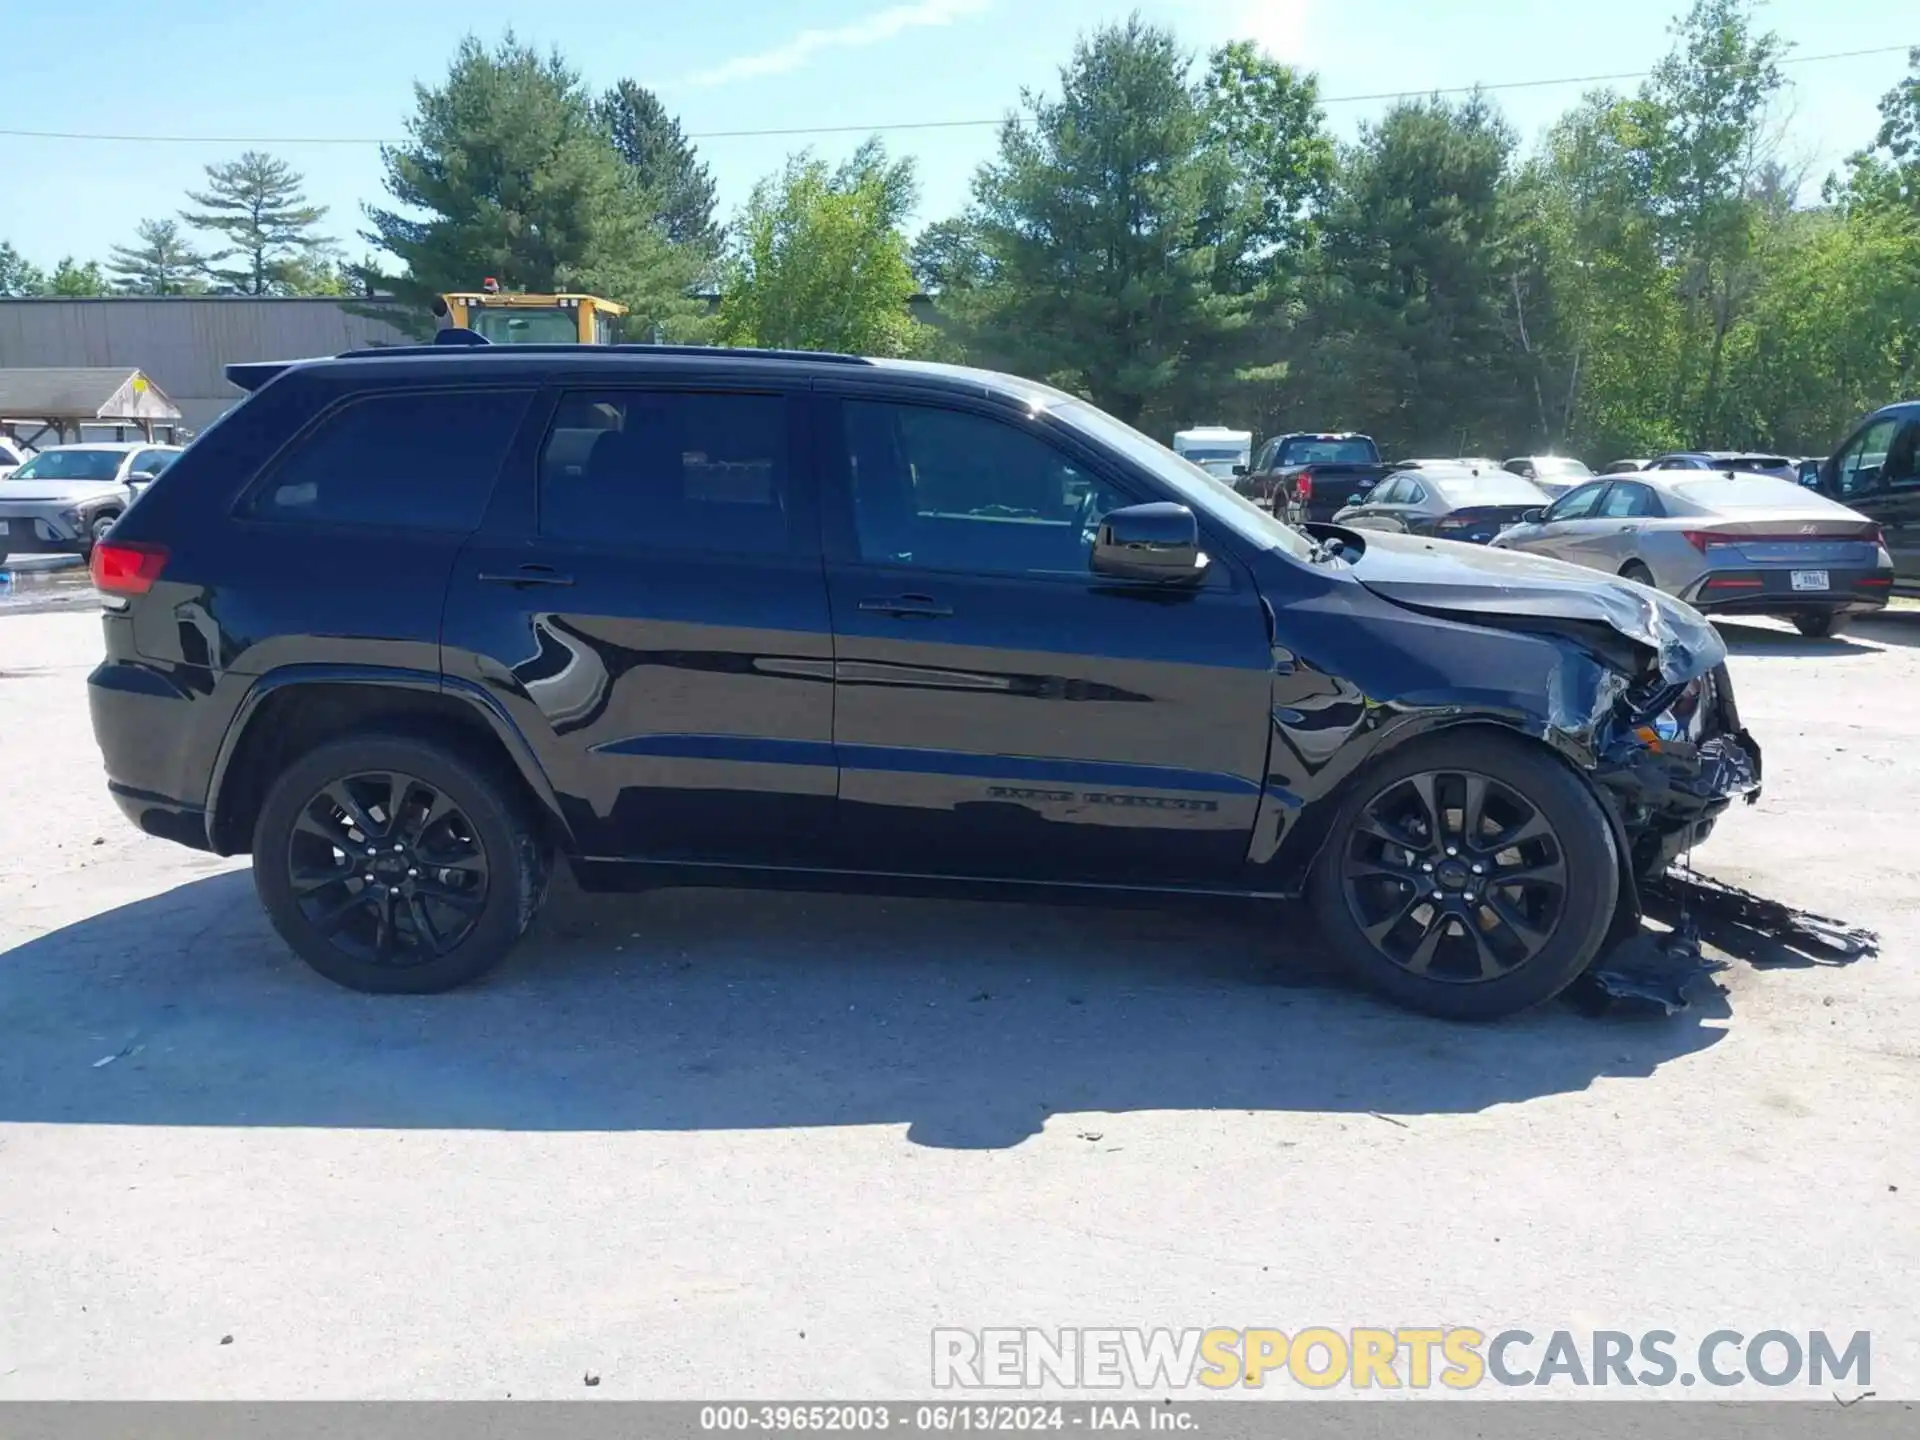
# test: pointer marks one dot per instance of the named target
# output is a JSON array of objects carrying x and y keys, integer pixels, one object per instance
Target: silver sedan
[{"x": 1729, "y": 545}]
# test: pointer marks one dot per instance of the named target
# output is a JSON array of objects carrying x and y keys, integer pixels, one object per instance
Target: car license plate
[{"x": 1810, "y": 580}]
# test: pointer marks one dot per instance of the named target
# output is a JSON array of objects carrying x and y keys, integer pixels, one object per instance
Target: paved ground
[{"x": 713, "y": 1143}]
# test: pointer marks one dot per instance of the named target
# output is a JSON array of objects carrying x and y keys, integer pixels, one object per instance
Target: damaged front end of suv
[{"x": 1641, "y": 697}]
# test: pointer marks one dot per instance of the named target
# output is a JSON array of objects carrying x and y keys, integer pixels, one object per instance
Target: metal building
[{"x": 182, "y": 342}]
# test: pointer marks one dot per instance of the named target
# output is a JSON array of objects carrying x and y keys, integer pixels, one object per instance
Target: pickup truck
[{"x": 1310, "y": 476}]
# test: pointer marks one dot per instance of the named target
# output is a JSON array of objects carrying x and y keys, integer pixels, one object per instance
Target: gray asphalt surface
[{"x": 713, "y": 1143}]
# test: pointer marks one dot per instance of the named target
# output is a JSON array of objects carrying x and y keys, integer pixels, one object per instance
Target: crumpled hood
[
  {"x": 61, "y": 492},
  {"x": 1471, "y": 580}
]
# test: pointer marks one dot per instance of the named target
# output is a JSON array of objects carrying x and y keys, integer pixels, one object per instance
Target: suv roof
[{"x": 547, "y": 360}]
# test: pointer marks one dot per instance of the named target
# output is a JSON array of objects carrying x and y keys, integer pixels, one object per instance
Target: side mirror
[
  {"x": 1157, "y": 543},
  {"x": 1535, "y": 516},
  {"x": 142, "y": 477},
  {"x": 1240, "y": 472}
]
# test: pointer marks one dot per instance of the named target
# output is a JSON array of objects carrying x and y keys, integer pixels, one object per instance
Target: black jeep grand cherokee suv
[{"x": 408, "y": 624}]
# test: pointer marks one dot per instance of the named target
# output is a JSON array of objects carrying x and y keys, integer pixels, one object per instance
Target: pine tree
[
  {"x": 256, "y": 205},
  {"x": 507, "y": 172},
  {"x": 663, "y": 160},
  {"x": 162, "y": 263}
]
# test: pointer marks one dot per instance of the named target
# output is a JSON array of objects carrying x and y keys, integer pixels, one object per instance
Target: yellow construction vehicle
[{"x": 519, "y": 319}]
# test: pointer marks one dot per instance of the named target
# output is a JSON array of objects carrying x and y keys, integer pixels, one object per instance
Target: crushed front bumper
[{"x": 1671, "y": 787}]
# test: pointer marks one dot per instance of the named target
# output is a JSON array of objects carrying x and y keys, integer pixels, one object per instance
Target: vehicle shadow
[
  {"x": 677, "y": 1010},
  {"x": 1754, "y": 639},
  {"x": 1889, "y": 627}
]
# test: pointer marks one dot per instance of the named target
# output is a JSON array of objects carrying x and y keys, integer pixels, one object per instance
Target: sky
[{"x": 833, "y": 68}]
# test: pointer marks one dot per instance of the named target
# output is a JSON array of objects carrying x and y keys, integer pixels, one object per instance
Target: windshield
[
  {"x": 1208, "y": 496},
  {"x": 72, "y": 465},
  {"x": 505, "y": 326},
  {"x": 1327, "y": 452}
]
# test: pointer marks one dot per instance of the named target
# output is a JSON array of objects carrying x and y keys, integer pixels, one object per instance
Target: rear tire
[
  {"x": 1501, "y": 948},
  {"x": 417, "y": 879},
  {"x": 1634, "y": 570},
  {"x": 1820, "y": 626}
]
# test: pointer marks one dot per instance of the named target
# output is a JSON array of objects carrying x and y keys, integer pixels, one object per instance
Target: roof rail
[{"x": 830, "y": 357}]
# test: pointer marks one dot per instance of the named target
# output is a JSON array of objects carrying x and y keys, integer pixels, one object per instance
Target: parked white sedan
[{"x": 1729, "y": 545}]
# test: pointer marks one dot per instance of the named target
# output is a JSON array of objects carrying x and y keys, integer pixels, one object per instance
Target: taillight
[
  {"x": 1453, "y": 522},
  {"x": 1701, "y": 539},
  {"x": 123, "y": 569},
  {"x": 1303, "y": 485}
]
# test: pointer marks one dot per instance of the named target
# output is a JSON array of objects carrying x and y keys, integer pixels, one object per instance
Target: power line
[{"x": 793, "y": 130}]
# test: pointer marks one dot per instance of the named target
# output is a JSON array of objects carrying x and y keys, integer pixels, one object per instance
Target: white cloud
[{"x": 870, "y": 30}]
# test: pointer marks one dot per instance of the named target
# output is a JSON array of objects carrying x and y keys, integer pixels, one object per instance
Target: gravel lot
[{"x": 706, "y": 1143}]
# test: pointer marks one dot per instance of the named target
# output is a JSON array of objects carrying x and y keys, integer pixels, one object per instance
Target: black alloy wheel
[
  {"x": 1455, "y": 877},
  {"x": 1470, "y": 875},
  {"x": 397, "y": 865},
  {"x": 387, "y": 868}
]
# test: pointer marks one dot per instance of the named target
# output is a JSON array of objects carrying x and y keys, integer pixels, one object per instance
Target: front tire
[
  {"x": 1818, "y": 626},
  {"x": 1470, "y": 877},
  {"x": 394, "y": 866}
]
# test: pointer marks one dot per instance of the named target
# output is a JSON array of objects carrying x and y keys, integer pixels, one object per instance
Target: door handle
[
  {"x": 526, "y": 575},
  {"x": 907, "y": 607}
]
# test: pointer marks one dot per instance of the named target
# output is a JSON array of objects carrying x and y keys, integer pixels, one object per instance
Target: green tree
[
  {"x": 1089, "y": 223},
  {"x": 819, "y": 261},
  {"x": 256, "y": 207},
  {"x": 1887, "y": 173},
  {"x": 18, "y": 275},
  {"x": 1272, "y": 164},
  {"x": 507, "y": 172},
  {"x": 1406, "y": 327},
  {"x": 161, "y": 263},
  {"x": 1704, "y": 113},
  {"x": 71, "y": 278},
  {"x": 663, "y": 160},
  {"x": 1592, "y": 300}
]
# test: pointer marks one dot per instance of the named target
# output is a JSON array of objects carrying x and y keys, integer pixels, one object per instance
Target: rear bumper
[
  {"x": 1770, "y": 592},
  {"x": 141, "y": 722},
  {"x": 162, "y": 816}
]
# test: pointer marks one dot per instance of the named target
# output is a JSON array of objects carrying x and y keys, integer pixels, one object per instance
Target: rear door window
[
  {"x": 670, "y": 470},
  {"x": 411, "y": 460},
  {"x": 1629, "y": 502}
]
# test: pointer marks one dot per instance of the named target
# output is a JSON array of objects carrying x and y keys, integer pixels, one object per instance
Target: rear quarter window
[{"x": 413, "y": 460}]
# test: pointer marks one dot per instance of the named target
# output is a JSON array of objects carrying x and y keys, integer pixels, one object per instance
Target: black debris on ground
[{"x": 1652, "y": 975}]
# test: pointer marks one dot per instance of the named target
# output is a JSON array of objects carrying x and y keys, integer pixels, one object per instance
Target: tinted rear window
[
  {"x": 1327, "y": 452},
  {"x": 421, "y": 460},
  {"x": 667, "y": 470}
]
